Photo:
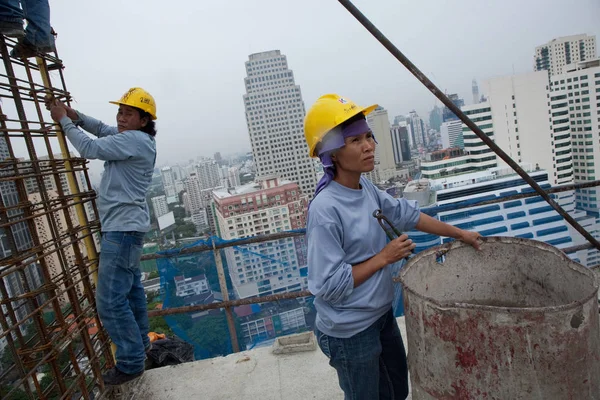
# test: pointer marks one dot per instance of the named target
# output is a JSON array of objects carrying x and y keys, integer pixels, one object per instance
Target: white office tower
[
  {"x": 575, "y": 104},
  {"x": 275, "y": 118},
  {"x": 562, "y": 51},
  {"x": 480, "y": 156},
  {"x": 379, "y": 123},
  {"x": 526, "y": 127}
]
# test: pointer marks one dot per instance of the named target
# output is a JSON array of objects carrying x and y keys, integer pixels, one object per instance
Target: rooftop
[
  {"x": 254, "y": 374},
  {"x": 248, "y": 188},
  {"x": 480, "y": 177}
]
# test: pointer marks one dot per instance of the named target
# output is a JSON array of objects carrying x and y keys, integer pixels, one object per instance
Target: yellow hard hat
[
  {"x": 329, "y": 111},
  {"x": 139, "y": 98}
]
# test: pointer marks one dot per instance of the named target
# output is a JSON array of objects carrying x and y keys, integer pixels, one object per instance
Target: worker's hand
[
  {"x": 57, "y": 110},
  {"x": 397, "y": 249},
  {"x": 52, "y": 102},
  {"x": 471, "y": 238}
]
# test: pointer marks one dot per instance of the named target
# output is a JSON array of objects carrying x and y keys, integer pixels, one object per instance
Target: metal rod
[
  {"x": 230, "y": 303},
  {"x": 240, "y": 242},
  {"x": 456, "y": 110}
]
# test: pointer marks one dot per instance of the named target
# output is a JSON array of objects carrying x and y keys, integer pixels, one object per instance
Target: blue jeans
[
  {"x": 371, "y": 365},
  {"x": 120, "y": 298},
  {"x": 37, "y": 14}
]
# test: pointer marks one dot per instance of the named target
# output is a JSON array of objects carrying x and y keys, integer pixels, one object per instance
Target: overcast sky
[{"x": 190, "y": 54}]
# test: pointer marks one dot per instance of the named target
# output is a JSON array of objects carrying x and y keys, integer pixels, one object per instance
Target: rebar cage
[{"x": 52, "y": 345}]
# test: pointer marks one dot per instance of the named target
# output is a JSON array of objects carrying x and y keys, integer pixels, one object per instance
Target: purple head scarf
[{"x": 332, "y": 141}]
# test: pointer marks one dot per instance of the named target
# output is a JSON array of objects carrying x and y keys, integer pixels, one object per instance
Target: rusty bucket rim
[{"x": 448, "y": 247}]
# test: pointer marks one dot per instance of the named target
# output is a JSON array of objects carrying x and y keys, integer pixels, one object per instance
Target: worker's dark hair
[{"x": 150, "y": 127}]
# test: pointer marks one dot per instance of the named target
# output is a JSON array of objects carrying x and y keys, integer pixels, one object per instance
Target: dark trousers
[{"x": 371, "y": 365}]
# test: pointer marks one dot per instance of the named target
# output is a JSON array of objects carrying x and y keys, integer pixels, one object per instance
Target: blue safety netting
[{"x": 191, "y": 279}]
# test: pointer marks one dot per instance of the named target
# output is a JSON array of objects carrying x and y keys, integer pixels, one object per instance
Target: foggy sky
[{"x": 190, "y": 54}]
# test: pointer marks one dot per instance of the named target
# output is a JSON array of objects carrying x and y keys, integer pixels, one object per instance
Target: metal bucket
[{"x": 516, "y": 320}]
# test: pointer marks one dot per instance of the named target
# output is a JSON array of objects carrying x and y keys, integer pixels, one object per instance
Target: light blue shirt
[
  {"x": 342, "y": 232},
  {"x": 129, "y": 164}
]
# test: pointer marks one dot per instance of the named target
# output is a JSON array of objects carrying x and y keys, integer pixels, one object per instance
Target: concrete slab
[{"x": 255, "y": 374}]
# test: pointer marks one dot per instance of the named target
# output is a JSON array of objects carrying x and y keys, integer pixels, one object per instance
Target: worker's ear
[
  {"x": 333, "y": 156},
  {"x": 144, "y": 121}
]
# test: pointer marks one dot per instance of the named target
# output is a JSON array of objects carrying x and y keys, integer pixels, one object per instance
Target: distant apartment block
[
  {"x": 48, "y": 227},
  {"x": 560, "y": 52},
  {"x": 160, "y": 206},
  {"x": 191, "y": 286},
  {"x": 269, "y": 206}
]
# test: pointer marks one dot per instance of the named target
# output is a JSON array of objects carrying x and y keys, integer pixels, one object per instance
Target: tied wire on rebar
[{"x": 360, "y": 17}]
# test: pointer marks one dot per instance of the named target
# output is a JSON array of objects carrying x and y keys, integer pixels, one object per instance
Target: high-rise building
[
  {"x": 379, "y": 123},
  {"x": 400, "y": 142},
  {"x": 168, "y": 180},
  {"x": 22, "y": 240},
  {"x": 229, "y": 177},
  {"x": 186, "y": 202},
  {"x": 575, "y": 106},
  {"x": 224, "y": 177},
  {"x": 447, "y": 114},
  {"x": 435, "y": 118},
  {"x": 179, "y": 173},
  {"x": 46, "y": 234},
  {"x": 272, "y": 205},
  {"x": 234, "y": 177},
  {"x": 208, "y": 174},
  {"x": 475, "y": 91},
  {"x": 200, "y": 219},
  {"x": 557, "y": 53},
  {"x": 194, "y": 193},
  {"x": 275, "y": 118},
  {"x": 526, "y": 127},
  {"x": 399, "y": 119},
  {"x": 451, "y": 134},
  {"x": 417, "y": 133},
  {"x": 480, "y": 156},
  {"x": 160, "y": 206}
]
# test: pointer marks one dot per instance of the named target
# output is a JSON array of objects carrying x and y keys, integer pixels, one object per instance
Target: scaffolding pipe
[
  {"x": 229, "y": 303},
  {"x": 88, "y": 240},
  {"x": 360, "y": 17},
  {"x": 228, "y": 312}
]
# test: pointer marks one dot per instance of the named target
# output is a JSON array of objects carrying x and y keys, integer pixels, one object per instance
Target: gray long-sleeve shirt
[
  {"x": 342, "y": 232},
  {"x": 129, "y": 163}
]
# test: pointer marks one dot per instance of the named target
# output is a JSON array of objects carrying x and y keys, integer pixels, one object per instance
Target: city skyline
[{"x": 213, "y": 119}]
